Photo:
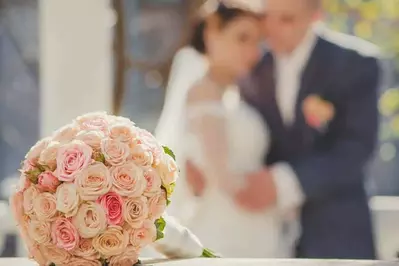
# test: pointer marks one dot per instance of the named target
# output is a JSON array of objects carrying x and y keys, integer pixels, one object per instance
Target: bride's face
[{"x": 235, "y": 46}]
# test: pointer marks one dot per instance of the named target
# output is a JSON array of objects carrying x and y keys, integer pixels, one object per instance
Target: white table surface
[{"x": 228, "y": 262}]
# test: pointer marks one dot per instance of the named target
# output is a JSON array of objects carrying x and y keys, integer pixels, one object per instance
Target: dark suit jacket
[{"x": 329, "y": 164}]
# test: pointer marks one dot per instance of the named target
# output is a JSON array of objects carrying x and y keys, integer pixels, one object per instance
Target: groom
[{"x": 317, "y": 91}]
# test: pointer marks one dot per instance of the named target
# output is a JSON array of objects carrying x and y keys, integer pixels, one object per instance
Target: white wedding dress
[
  {"x": 240, "y": 149},
  {"x": 217, "y": 221}
]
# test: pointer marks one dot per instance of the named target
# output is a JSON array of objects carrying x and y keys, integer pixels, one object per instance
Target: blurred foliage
[
  {"x": 378, "y": 22},
  {"x": 374, "y": 20}
]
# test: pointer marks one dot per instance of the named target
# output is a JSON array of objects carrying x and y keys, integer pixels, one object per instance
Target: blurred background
[{"x": 134, "y": 41}]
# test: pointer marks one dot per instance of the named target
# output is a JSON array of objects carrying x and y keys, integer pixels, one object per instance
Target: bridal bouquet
[{"x": 94, "y": 193}]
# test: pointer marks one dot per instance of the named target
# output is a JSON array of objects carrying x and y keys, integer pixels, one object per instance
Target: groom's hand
[
  {"x": 259, "y": 193},
  {"x": 195, "y": 179}
]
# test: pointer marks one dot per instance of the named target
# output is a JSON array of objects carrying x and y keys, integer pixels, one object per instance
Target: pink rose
[
  {"x": 112, "y": 204},
  {"x": 90, "y": 220},
  {"x": 128, "y": 258},
  {"x": 92, "y": 138},
  {"x": 122, "y": 132},
  {"x": 93, "y": 121},
  {"x": 135, "y": 211},
  {"x": 72, "y": 158},
  {"x": 48, "y": 157},
  {"x": 29, "y": 195},
  {"x": 48, "y": 182},
  {"x": 45, "y": 206},
  {"x": 115, "y": 152},
  {"x": 145, "y": 137},
  {"x": 143, "y": 236},
  {"x": 82, "y": 262},
  {"x": 34, "y": 153},
  {"x": 56, "y": 255},
  {"x": 128, "y": 180},
  {"x": 40, "y": 231},
  {"x": 64, "y": 234},
  {"x": 94, "y": 181},
  {"x": 142, "y": 155},
  {"x": 67, "y": 199},
  {"x": 157, "y": 205},
  {"x": 167, "y": 170},
  {"x": 153, "y": 183},
  {"x": 86, "y": 250},
  {"x": 66, "y": 133},
  {"x": 112, "y": 242}
]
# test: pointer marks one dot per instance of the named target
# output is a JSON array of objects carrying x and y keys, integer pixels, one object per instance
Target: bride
[{"x": 225, "y": 138}]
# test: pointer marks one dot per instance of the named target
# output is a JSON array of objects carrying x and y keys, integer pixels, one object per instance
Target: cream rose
[
  {"x": 153, "y": 182},
  {"x": 93, "y": 121},
  {"x": 67, "y": 199},
  {"x": 142, "y": 155},
  {"x": 55, "y": 255},
  {"x": 143, "y": 236},
  {"x": 135, "y": 211},
  {"x": 128, "y": 180},
  {"x": 90, "y": 220},
  {"x": 29, "y": 195},
  {"x": 86, "y": 250},
  {"x": 23, "y": 183},
  {"x": 112, "y": 242},
  {"x": 34, "y": 153},
  {"x": 157, "y": 205},
  {"x": 115, "y": 152},
  {"x": 17, "y": 207},
  {"x": 82, "y": 262},
  {"x": 127, "y": 258},
  {"x": 93, "y": 182},
  {"x": 113, "y": 120},
  {"x": 36, "y": 254},
  {"x": 40, "y": 231},
  {"x": 48, "y": 156},
  {"x": 146, "y": 138},
  {"x": 122, "y": 132},
  {"x": 72, "y": 158},
  {"x": 45, "y": 206},
  {"x": 167, "y": 170},
  {"x": 92, "y": 138},
  {"x": 66, "y": 134}
]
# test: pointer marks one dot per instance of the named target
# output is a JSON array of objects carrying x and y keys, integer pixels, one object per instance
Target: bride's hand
[
  {"x": 195, "y": 179},
  {"x": 259, "y": 192}
]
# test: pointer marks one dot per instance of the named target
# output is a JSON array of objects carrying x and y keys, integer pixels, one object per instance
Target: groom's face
[{"x": 286, "y": 22}]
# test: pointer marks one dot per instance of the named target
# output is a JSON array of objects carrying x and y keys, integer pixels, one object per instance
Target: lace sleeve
[{"x": 207, "y": 124}]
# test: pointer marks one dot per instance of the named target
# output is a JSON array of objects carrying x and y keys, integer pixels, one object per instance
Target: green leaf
[
  {"x": 41, "y": 168},
  {"x": 207, "y": 253},
  {"x": 33, "y": 175},
  {"x": 99, "y": 158},
  {"x": 169, "y": 152},
  {"x": 160, "y": 225},
  {"x": 160, "y": 235},
  {"x": 169, "y": 189}
]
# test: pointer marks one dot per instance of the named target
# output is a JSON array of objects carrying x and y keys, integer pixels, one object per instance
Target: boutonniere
[{"x": 318, "y": 112}]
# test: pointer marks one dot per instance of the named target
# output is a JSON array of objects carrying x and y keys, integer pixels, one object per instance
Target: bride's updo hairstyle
[{"x": 217, "y": 12}]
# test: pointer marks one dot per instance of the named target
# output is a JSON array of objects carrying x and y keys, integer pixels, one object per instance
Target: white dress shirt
[{"x": 288, "y": 74}]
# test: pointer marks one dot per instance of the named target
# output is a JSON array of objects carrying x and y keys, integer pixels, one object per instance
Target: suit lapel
[{"x": 313, "y": 81}]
